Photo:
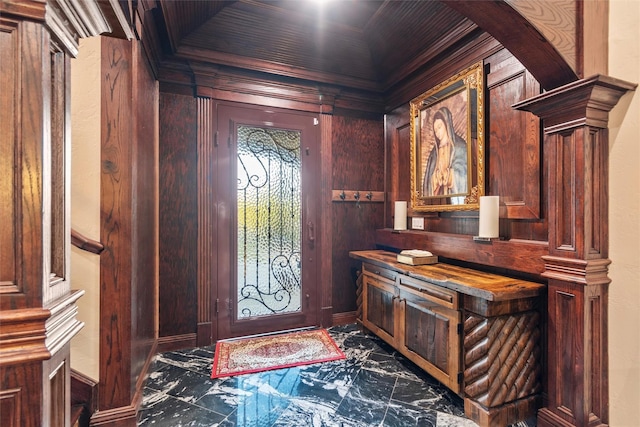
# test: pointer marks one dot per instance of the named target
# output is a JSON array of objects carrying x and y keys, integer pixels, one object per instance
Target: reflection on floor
[{"x": 374, "y": 386}]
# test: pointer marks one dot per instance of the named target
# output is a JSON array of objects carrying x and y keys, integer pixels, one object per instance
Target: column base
[{"x": 503, "y": 415}]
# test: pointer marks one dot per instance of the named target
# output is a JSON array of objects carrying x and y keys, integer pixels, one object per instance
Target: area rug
[{"x": 277, "y": 351}]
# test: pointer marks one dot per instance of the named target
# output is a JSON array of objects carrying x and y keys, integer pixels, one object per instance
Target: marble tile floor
[{"x": 374, "y": 386}]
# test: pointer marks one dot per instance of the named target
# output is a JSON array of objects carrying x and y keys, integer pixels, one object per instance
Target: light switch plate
[{"x": 417, "y": 223}]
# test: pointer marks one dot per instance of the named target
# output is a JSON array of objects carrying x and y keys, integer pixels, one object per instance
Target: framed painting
[{"x": 447, "y": 144}]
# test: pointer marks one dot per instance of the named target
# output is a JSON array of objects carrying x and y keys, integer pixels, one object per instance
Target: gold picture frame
[{"x": 447, "y": 144}]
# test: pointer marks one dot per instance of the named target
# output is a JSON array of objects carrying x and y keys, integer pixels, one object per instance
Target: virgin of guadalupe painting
[
  {"x": 447, "y": 149},
  {"x": 446, "y": 169}
]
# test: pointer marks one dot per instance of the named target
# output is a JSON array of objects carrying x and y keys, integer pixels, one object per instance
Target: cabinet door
[
  {"x": 378, "y": 314},
  {"x": 430, "y": 337}
]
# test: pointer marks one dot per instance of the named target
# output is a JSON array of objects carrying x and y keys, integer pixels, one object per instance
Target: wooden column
[
  {"x": 326, "y": 173},
  {"x": 207, "y": 260},
  {"x": 575, "y": 120}
]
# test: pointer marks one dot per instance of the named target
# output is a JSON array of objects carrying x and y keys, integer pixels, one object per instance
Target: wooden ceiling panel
[
  {"x": 403, "y": 32},
  {"x": 359, "y": 44},
  {"x": 269, "y": 37}
]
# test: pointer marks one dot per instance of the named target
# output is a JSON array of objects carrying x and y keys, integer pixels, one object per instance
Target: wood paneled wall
[
  {"x": 514, "y": 161},
  {"x": 357, "y": 164},
  {"x": 144, "y": 215},
  {"x": 128, "y": 263},
  {"x": 178, "y": 221}
]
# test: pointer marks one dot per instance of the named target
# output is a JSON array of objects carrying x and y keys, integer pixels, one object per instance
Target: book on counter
[{"x": 417, "y": 257}]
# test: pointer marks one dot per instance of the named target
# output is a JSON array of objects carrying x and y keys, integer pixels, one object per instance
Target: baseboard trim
[
  {"x": 344, "y": 318},
  {"x": 204, "y": 334},
  {"x": 176, "y": 342},
  {"x": 84, "y": 391},
  {"x": 115, "y": 417}
]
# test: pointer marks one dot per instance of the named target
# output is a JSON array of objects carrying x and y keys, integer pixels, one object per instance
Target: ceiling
[{"x": 366, "y": 45}]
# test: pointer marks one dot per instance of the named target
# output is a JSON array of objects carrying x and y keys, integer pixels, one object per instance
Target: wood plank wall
[
  {"x": 357, "y": 164},
  {"x": 178, "y": 221},
  {"x": 128, "y": 204},
  {"x": 514, "y": 162},
  {"x": 360, "y": 147},
  {"x": 144, "y": 215}
]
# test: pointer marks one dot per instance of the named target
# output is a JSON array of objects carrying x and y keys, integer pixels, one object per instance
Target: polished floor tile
[{"x": 373, "y": 386}]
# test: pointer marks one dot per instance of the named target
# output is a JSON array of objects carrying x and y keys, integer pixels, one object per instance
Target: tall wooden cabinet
[{"x": 38, "y": 312}]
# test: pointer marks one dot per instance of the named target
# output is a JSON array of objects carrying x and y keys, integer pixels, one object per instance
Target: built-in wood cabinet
[
  {"x": 477, "y": 333},
  {"x": 420, "y": 320}
]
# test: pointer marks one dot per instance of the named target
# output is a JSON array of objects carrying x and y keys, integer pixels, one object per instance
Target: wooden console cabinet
[{"x": 475, "y": 332}]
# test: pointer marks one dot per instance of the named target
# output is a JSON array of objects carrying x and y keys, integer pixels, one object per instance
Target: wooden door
[{"x": 267, "y": 196}]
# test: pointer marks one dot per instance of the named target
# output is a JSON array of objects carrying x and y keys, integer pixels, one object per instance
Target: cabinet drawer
[
  {"x": 437, "y": 294},
  {"x": 379, "y": 271}
]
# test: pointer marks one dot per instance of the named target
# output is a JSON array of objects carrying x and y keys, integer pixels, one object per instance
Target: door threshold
[{"x": 266, "y": 334}]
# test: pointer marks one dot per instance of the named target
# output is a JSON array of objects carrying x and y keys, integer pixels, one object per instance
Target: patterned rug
[{"x": 262, "y": 353}]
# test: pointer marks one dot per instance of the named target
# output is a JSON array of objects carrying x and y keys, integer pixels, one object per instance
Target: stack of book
[{"x": 417, "y": 257}]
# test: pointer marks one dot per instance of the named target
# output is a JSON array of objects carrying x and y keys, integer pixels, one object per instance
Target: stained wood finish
[
  {"x": 38, "y": 315},
  {"x": 207, "y": 232},
  {"x": 526, "y": 43},
  {"x": 357, "y": 144},
  {"x": 513, "y": 147},
  {"x": 325, "y": 273},
  {"x": 523, "y": 256},
  {"x": 26, "y": 47},
  {"x": 115, "y": 220},
  {"x": 494, "y": 361},
  {"x": 21, "y": 390},
  {"x": 178, "y": 216},
  {"x": 487, "y": 286},
  {"x": 429, "y": 333},
  {"x": 228, "y": 117},
  {"x": 144, "y": 279},
  {"x": 379, "y": 308},
  {"x": 82, "y": 242},
  {"x": 128, "y": 211},
  {"x": 505, "y": 156},
  {"x": 267, "y": 34},
  {"x": 575, "y": 118},
  {"x": 503, "y": 359},
  {"x": 398, "y": 156}
]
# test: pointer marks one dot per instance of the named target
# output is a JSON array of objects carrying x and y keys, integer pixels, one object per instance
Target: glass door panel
[{"x": 269, "y": 221}]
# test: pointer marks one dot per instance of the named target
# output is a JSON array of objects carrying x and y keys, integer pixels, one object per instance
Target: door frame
[{"x": 222, "y": 264}]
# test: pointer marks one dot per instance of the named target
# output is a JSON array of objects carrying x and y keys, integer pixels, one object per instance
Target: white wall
[
  {"x": 85, "y": 201},
  {"x": 624, "y": 218}
]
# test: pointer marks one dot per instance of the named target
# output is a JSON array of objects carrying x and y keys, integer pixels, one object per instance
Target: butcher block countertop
[{"x": 488, "y": 286}]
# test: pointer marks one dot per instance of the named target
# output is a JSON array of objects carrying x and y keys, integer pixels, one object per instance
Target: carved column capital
[{"x": 583, "y": 102}]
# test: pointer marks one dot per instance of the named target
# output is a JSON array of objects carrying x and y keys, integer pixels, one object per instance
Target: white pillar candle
[
  {"x": 400, "y": 216},
  {"x": 489, "y": 216}
]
